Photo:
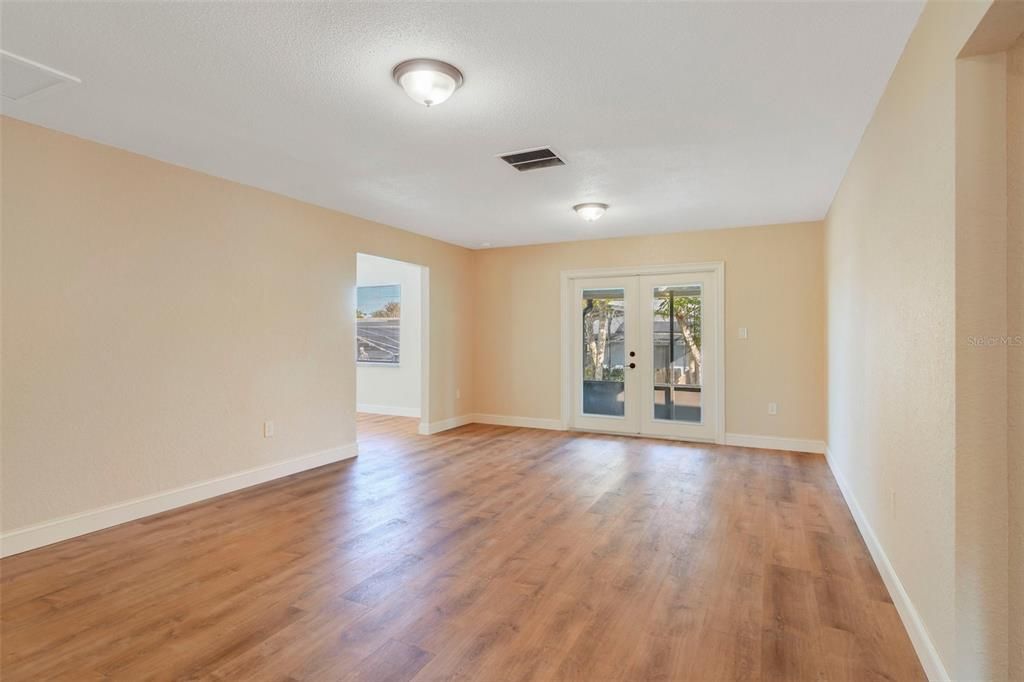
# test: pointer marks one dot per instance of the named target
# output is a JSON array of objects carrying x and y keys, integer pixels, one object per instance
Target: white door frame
[
  {"x": 424, "y": 425},
  {"x": 568, "y": 313}
]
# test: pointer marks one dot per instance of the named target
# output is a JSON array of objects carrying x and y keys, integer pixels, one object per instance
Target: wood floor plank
[{"x": 482, "y": 553}]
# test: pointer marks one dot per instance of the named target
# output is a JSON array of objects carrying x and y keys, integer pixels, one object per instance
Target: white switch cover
[
  {"x": 268, "y": 429},
  {"x": 743, "y": 332},
  {"x": 773, "y": 408},
  {"x": 458, "y": 393}
]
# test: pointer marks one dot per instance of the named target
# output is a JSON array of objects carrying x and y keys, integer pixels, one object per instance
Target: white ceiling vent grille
[
  {"x": 22, "y": 79},
  {"x": 532, "y": 159}
]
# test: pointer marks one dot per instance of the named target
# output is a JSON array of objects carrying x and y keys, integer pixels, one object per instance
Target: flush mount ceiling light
[
  {"x": 590, "y": 212},
  {"x": 427, "y": 81}
]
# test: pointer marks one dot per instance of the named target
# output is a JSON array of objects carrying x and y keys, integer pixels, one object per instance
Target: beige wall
[
  {"x": 774, "y": 286},
  {"x": 154, "y": 317},
  {"x": 891, "y": 259},
  {"x": 981, "y": 463},
  {"x": 1015, "y": 359}
]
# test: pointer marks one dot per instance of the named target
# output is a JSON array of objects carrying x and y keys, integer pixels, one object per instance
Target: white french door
[
  {"x": 607, "y": 331},
  {"x": 646, "y": 354}
]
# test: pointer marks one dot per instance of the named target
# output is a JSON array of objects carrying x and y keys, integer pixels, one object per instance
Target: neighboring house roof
[{"x": 378, "y": 339}]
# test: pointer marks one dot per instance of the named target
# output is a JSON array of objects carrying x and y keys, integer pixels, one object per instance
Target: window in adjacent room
[{"x": 378, "y": 324}]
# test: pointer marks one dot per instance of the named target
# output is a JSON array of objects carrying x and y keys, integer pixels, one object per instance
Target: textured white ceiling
[{"x": 680, "y": 115}]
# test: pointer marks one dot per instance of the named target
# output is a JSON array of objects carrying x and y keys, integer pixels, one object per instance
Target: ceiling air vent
[
  {"x": 23, "y": 79},
  {"x": 532, "y": 159}
]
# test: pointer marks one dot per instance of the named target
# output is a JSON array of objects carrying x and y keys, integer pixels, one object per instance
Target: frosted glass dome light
[
  {"x": 590, "y": 212},
  {"x": 427, "y": 81}
]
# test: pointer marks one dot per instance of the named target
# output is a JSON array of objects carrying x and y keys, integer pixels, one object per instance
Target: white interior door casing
[{"x": 665, "y": 393}]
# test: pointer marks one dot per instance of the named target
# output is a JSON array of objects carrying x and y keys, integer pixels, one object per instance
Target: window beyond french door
[{"x": 645, "y": 355}]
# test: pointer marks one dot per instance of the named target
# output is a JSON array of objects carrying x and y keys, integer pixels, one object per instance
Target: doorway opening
[{"x": 390, "y": 345}]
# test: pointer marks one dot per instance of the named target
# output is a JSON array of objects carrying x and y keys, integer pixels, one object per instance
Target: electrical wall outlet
[
  {"x": 268, "y": 429},
  {"x": 773, "y": 408},
  {"x": 743, "y": 332},
  {"x": 458, "y": 393}
]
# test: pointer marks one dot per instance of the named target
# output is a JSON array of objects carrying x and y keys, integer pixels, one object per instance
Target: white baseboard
[
  {"x": 493, "y": 419},
  {"x": 392, "y": 410},
  {"x": 522, "y": 422},
  {"x": 445, "y": 424},
  {"x": 926, "y": 651},
  {"x": 775, "y": 443},
  {"x": 769, "y": 442},
  {"x": 49, "y": 532}
]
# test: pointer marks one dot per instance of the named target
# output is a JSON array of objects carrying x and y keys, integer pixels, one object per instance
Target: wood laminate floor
[{"x": 484, "y": 553}]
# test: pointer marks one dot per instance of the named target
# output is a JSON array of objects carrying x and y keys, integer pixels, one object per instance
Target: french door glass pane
[
  {"x": 677, "y": 352},
  {"x": 603, "y": 319}
]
